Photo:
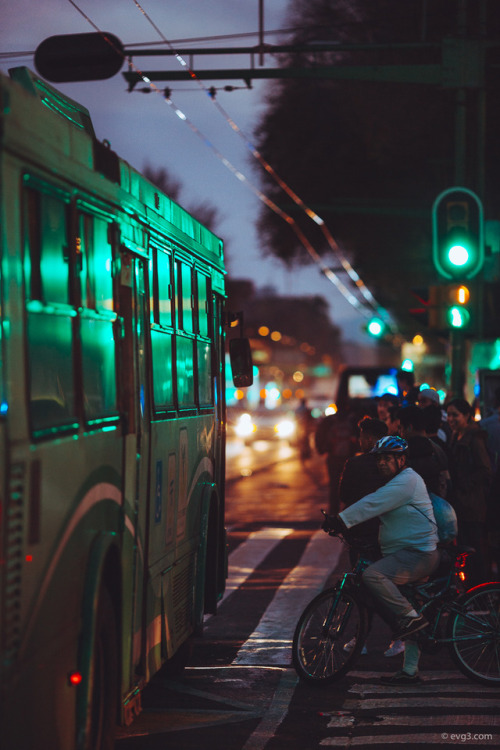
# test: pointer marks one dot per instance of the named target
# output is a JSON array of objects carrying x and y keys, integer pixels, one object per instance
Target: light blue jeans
[{"x": 383, "y": 577}]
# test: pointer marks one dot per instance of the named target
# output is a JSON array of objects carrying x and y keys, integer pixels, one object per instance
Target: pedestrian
[
  {"x": 407, "y": 390},
  {"x": 392, "y": 421},
  {"x": 433, "y": 419},
  {"x": 336, "y": 436},
  {"x": 360, "y": 477},
  {"x": 304, "y": 420},
  {"x": 492, "y": 426},
  {"x": 408, "y": 539},
  {"x": 428, "y": 397},
  {"x": 471, "y": 474},
  {"x": 427, "y": 458},
  {"x": 384, "y": 402}
]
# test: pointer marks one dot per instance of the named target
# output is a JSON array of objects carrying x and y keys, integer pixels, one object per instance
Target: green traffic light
[
  {"x": 458, "y": 255},
  {"x": 375, "y": 327},
  {"x": 458, "y": 317},
  {"x": 458, "y": 234}
]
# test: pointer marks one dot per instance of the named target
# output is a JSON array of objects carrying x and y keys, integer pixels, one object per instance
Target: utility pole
[{"x": 457, "y": 336}]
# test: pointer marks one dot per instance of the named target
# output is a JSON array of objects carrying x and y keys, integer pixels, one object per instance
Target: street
[{"x": 240, "y": 691}]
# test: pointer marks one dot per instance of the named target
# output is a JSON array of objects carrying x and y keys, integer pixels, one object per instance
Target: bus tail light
[{"x": 74, "y": 678}]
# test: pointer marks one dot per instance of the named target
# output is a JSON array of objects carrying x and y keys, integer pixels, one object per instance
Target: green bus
[{"x": 112, "y": 426}]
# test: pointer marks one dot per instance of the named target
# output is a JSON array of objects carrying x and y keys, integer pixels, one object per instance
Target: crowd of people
[
  {"x": 385, "y": 465},
  {"x": 457, "y": 456}
]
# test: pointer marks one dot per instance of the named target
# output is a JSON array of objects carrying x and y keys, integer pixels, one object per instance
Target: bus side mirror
[{"x": 241, "y": 362}]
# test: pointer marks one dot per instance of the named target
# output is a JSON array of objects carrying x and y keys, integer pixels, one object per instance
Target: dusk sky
[{"x": 143, "y": 129}]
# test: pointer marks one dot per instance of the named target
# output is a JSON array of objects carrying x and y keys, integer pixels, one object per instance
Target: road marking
[
  {"x": 446, "y": 720},
  {"x": 163, "y": 721},
  {"x": 432, "y": 701},
  {"x": 247, "y": 557},
  {"x": 275, "y": 713},
  {"x": 422, "y": 687},
  {"x": 412, "y": 740},
  {"x": 271, "y": 641},
  {"x": 445, "y": 675}
]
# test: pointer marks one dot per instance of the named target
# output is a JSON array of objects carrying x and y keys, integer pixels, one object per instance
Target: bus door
[{"x": 135, "y": 407}]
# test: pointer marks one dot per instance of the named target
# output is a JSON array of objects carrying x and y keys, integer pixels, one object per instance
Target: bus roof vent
[
  {"x": 53, "y": 99},
  {"x": 106, "y": 161}
]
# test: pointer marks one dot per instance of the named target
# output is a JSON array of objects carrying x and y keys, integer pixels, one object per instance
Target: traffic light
[
  {"x": 79, "y": 57},
  {"x": 376, "y": 327},
  {"x": 457, "y": 314},
  {"x": 458, "y": 234},
  {"x": 454, "y": 307}
]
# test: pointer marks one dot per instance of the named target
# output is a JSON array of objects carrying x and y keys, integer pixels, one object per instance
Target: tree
[
  {"x": 369, "y": 157},
  {"x": 204, "y": 212}
]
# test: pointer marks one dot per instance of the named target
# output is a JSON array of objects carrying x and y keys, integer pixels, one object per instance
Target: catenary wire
[
  {"x": 332, "y": 243},
  {"x": 328, "y": 272}
]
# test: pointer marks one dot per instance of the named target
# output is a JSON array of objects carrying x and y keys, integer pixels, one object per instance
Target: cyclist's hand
[{"x": 333, "y": 525}]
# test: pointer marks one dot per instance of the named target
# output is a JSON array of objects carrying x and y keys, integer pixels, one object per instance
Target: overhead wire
[
  {"x": 328, "y": 272},
  {"x": 332, "y": 243}
]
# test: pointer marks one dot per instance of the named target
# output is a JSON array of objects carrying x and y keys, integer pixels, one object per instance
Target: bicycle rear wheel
[
  {"x": 476, "y": 633},
  {"x": 318, "y": 651}
]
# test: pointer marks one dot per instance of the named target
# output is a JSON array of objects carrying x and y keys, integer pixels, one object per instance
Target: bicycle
[{"x": 468, "y": 623}]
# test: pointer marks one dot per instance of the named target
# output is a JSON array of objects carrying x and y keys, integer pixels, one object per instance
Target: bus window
[
  {"x": 96, "y": 264},
  {"x": 47, "y": 237},
  {"x": 202, "y": 306},
  {"x": 163, "y": 392},
  {"x": 96, "y": 319},
  {"x": 185, "y": 296},
  {"x": 164, "y": 289},
  {"x": 52, "y": 398},
  {"x": 98, "y": 368},
  {"x": 204, "y": 373},
  {"x": 49, "y": 329},
  {"x": 161, "y": 315},
  {"x": 185, "y": 371}
]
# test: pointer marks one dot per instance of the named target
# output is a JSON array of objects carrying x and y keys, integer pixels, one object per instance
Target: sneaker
[
  {"x": 409, "y": 625},
  {"x": 395, "y": 648},
  {"x": 401, "y": 678},
  {"x": 350, "y": 645}
]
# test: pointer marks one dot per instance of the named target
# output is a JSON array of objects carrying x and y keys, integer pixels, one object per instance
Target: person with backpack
[{"x": 408, "y": 539}]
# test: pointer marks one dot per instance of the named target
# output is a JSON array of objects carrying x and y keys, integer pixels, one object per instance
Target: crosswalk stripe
[
  {"x": 270, "y": 643},
  {"x": 422, "y": 687},
  {"x": 247, "y": 557},
  {"x": 456, "y": 721},
  {"x": 426, "y": 738},
  {"x": 433, "y": 701},
  {"x": 445, "y": 675}
]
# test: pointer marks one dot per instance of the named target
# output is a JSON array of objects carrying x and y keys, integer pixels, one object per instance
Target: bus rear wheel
[{"x": 104, "y": 677}]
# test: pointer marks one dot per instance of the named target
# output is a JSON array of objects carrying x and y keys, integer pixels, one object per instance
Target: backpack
[{"x": 446, "y": 518}]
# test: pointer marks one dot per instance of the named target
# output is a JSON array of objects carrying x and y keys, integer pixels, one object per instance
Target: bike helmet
[{"x": 390, "y": 444}]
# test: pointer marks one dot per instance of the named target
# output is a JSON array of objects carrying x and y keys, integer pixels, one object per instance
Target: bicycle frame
[{"x": 433, "y": 593}]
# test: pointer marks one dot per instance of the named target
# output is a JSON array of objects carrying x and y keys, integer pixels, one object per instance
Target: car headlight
[
  {"x": 285, "y": 428},
  {"x": 244, "y": 426}
]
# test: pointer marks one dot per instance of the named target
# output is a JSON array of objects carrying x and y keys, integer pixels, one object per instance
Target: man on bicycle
[{"x": 407, "y": 535}]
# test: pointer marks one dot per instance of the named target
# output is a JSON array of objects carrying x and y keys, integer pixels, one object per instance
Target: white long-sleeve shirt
[{"x": 405, "y": 512}]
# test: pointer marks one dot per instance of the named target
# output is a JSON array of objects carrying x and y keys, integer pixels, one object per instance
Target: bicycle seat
[{"x": 462, "y": 549}]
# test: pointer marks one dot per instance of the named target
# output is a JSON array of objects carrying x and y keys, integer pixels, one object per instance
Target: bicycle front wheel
[
  {"x": 476, "y": 634},
  {"x": 329, "y": 637}
]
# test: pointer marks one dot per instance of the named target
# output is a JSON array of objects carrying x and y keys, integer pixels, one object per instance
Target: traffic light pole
[
  {"x": 457, "y": 342},
  {"x": 457, "y": 363}
]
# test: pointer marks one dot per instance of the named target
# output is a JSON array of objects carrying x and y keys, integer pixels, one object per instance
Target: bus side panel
[{"x": 182, "y": 464}]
